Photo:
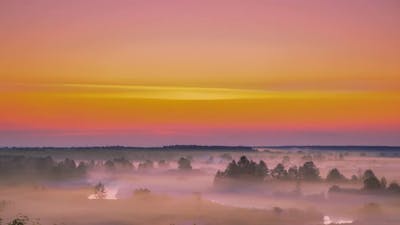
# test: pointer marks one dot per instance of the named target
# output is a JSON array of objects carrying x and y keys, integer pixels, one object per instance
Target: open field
[{"x": 141, "y": 186}]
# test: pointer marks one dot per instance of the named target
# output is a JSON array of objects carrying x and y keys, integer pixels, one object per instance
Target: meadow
[{"x": 187, "y": 185}]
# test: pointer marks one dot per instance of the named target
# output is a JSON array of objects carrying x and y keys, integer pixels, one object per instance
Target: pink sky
[{"x": 229, "y": 72}]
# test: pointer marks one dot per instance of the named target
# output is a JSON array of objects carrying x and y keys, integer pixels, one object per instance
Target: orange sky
[{"x": 226, "y": 72}]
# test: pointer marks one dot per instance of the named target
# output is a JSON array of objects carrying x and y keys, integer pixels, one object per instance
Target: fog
[{"x": 182, "y": 187}]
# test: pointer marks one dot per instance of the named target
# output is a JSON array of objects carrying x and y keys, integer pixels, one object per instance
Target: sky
[{"x": 226, "y": 72}]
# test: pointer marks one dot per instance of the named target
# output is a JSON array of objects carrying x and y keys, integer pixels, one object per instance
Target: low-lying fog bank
[{"x": 275, "y": 186}]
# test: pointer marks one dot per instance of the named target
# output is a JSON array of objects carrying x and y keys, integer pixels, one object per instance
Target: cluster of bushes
[
  {"x": 40, "y": 167},
  {"x": 246, "y": 169}
]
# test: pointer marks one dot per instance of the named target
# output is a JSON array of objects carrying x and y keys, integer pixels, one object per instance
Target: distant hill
[
  {"x": 208, "y": 148},
  {"x": 216, "y": 148},
  {"x": 336, "y": 148},
  {"x": 129, "y": 148}
]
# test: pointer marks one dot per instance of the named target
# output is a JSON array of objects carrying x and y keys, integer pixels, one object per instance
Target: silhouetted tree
[
  {"x": 367, "y": 174},
  {"x": 279, "y": 172},
  {"x": 335, "y": 176},
  {"x": 372, "y": 183},
  {"x": 243, "y": 162},
  {"x": 184, "y": 164},
  {"x": 394, "y": 188},
  {"x": 100, "y": 191},
  {"x": 261, "y": 170},
  {"x": 309, "y": 172},
  {"x": 244, "y": 169},
  {"x": 232, "y": 170}
]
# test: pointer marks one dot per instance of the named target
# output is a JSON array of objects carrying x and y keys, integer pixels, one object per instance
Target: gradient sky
[{"x": 229, "y": 72}]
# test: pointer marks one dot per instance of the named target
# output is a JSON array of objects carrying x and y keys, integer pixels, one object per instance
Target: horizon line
[{"x": 195, "y": 145}]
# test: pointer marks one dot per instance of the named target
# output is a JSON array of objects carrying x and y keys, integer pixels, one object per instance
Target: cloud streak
[{"x": 180, "y": 92}]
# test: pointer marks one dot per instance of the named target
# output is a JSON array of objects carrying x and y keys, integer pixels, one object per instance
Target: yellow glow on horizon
[{"x": 188, "y": 93}]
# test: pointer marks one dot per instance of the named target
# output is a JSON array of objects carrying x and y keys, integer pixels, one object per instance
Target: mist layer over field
[{"x": 114, "y": 186}]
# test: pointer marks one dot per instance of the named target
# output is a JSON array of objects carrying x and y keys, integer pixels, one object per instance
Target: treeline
[
  {"x": 371, "y": 184},
  {"x": 124, "y": 164},
  {"x": 248, "y": 170},
  {"x": 40, "y": 167},
  {"x": 47, "y": 168}
]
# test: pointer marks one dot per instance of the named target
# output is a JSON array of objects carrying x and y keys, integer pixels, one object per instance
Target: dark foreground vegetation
[{"x": 21, "y": 220}]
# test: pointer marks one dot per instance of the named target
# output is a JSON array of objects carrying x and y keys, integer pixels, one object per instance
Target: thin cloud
[{"x": 177, "y": 92}]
